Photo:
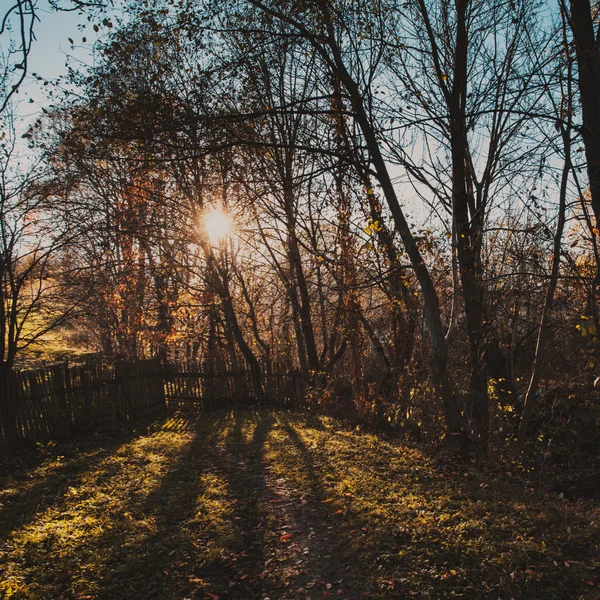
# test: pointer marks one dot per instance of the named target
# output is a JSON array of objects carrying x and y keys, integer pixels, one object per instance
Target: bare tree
[{"x": 17, "y": 35}]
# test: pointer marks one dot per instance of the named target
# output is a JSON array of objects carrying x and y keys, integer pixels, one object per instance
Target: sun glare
[{"x": 218, "y": 225}]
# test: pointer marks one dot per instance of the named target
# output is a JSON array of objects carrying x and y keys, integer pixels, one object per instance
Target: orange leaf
[{"x": 286, "y": 537}]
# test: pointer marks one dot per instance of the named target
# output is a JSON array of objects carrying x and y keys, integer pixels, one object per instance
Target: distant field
[{"x": 253, "y": 505}]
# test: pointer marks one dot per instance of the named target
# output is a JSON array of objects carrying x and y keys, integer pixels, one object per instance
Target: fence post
[
  {"x": 157, "y": 385},
  {"x": 58, "y": 373},
  {"x": 8, "y": 417},
  {"x": 123, "y": 400},
  {"x": 298, "y": 389}
]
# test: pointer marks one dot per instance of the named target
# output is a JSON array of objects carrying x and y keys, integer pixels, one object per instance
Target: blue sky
[
  {"x": 49, "y": 53},
  {"x": 52, "y": 31}
]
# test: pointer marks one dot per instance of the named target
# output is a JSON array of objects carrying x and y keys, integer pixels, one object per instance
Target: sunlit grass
[
  {"x": 89, "y": 510},
  {"x": 244, "y": 505},
  {"x": 441, "y": 533}
]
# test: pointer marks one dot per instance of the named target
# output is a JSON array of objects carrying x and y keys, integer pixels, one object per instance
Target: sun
[{"x": 218, "y": 225}]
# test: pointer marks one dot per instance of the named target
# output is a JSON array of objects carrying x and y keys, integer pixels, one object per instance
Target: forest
[
  {"x": 396, "y": 199},
  {"x": 400, "y": 201},
  {"x": 395, "y": 203}
]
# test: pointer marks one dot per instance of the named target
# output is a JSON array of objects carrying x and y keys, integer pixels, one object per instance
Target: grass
[{"x": 253, "y": 504}]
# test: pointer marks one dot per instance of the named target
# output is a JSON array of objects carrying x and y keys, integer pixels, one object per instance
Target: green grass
[{"x": 248, "y": 505}]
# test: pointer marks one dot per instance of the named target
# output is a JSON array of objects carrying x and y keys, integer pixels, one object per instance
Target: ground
[{"x": 251, "y": 505}]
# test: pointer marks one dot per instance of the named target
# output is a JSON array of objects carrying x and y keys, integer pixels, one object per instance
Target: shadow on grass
[
  {"x": 39, "y": 479},
  {"x": 327, "y": 531},
  {"x": 60, "y": 531},
  {"x": 410, "y": 530},
  {"x": 206, "y": 531},
  {"x": 246, "y": 504}
]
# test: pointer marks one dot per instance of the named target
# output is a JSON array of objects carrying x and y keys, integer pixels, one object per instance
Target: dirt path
[{"x": 289, "y": 528}]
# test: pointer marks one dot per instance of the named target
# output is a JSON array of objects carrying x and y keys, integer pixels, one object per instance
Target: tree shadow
[
  {"x": 327, "y": 531},
  {"x": 63, "y": 530},
  {"x": 40, "y": 479},
  {"x": 247, "y": 504},
  {"x": 207, "y": 533}
]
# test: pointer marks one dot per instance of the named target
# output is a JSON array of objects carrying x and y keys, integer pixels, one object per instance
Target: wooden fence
[
  {"x": 59, "y": 402},
  {"x": 189, "y": 386},
  {"x": 141, "y": 388}
]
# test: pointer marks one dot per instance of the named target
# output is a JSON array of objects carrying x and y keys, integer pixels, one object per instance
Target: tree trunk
[
  {"x": 222, "y": 288},
  {"x": 588, "y": 61},
  {"x": 469, "y": 228},
  {"x": 304, "y": 303},
  {"x": 544, "y": 328},
  {"x": 457, "y": 434}
]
